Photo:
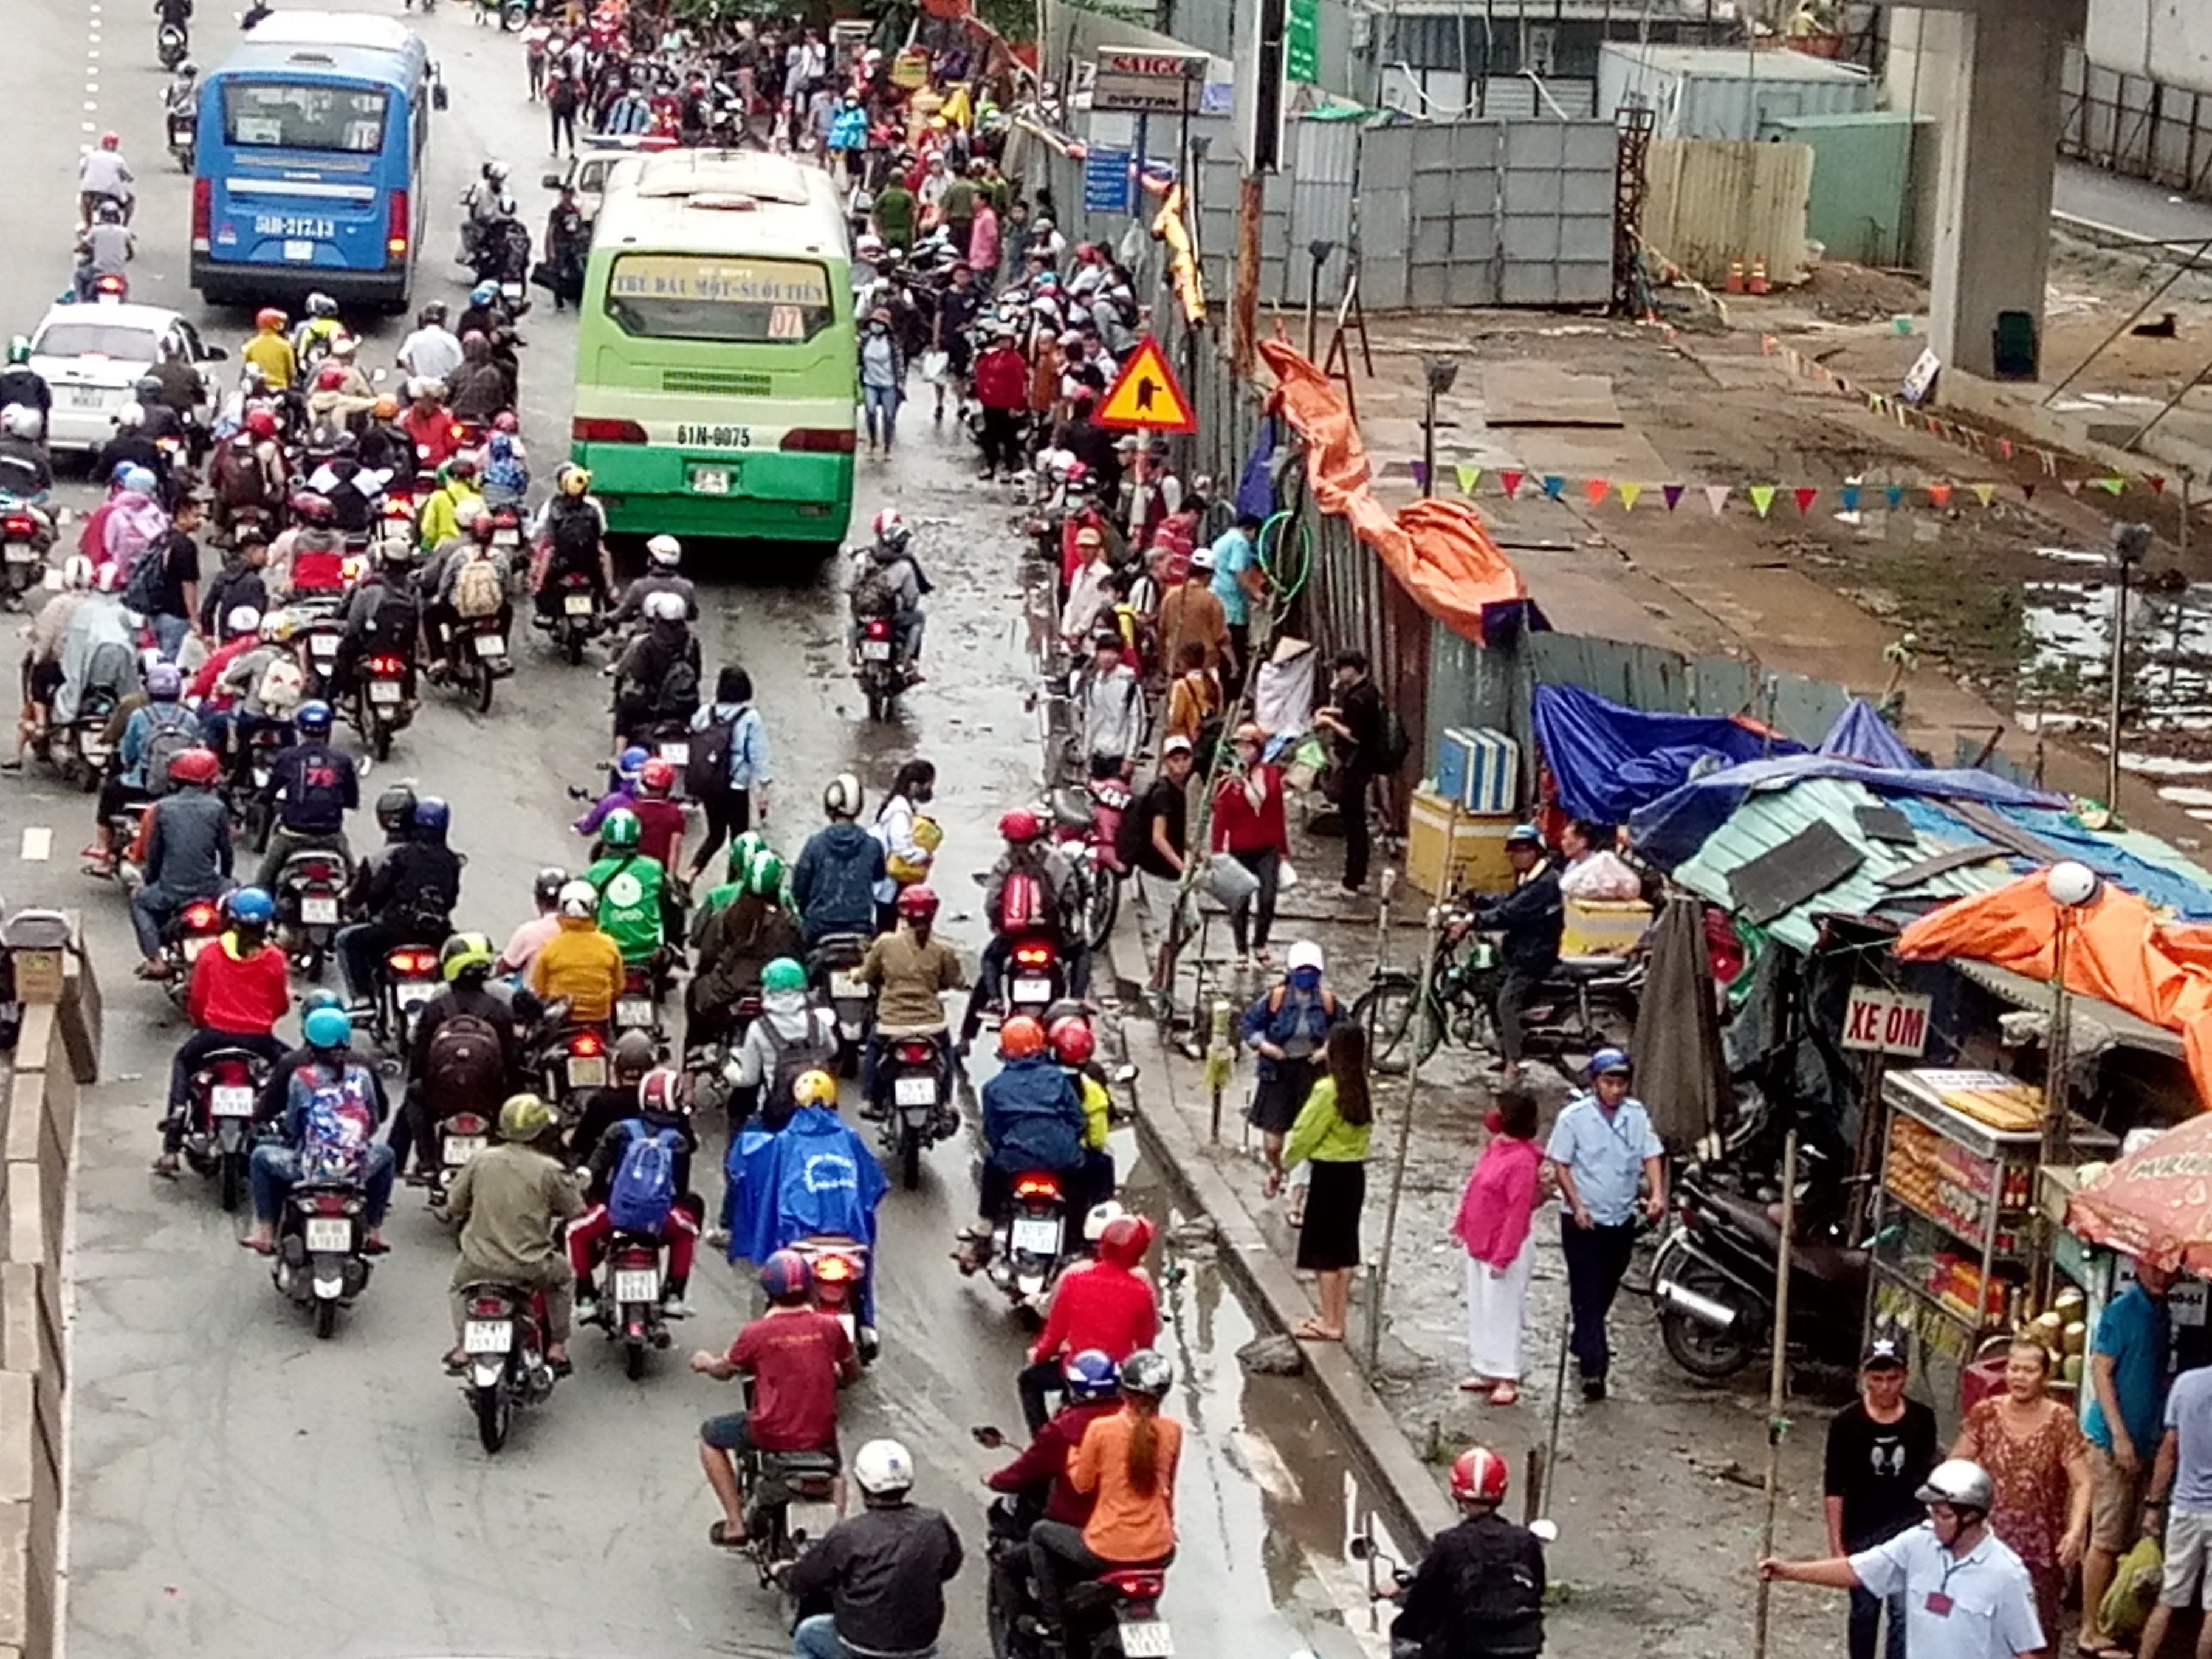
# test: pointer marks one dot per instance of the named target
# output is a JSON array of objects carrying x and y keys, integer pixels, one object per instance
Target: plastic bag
[
  {"x": 2136, "y": 1577},
  {"x": 934, "y": 365},
  {"x": 1286, "y": 875},
  {"x": 1229, "y": 882}
]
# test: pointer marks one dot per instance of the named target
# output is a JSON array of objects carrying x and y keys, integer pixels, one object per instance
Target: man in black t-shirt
[
  {"x": 1164, "y": 814},
  {"x": 1354, "y": 719},
  {"x": 1881, "y": 1448},
  {"x": 177, "y": 598}
]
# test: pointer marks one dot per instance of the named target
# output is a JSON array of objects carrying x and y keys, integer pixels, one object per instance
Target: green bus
[{"x": 717, "y": 368}]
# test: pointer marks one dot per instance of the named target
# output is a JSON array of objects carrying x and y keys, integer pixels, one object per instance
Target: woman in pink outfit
[{"x": 1494, "y": 1213}]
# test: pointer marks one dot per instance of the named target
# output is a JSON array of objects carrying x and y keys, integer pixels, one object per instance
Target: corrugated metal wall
[
  {"x": 2143, "y": 129},
  {"x": 1446, "y": 94},
  {"x": 1714, "y": 201}
]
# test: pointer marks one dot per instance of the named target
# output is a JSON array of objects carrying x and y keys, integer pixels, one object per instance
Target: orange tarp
[
  {"x": 2117, "y": 950},
  {"x": 1437, "y": 549}
]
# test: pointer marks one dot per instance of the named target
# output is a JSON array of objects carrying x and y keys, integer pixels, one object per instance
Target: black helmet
[
  {"x": 549, "y": 884},
  {"x": 395, "y": 811}
]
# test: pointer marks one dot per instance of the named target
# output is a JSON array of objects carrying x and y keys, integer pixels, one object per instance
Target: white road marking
[{"x": 37, "y": 843}]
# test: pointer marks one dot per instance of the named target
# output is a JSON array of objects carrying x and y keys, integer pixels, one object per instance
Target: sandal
[
  {"x": 718, "y": 1536},
  {"x": 258, "y": 1246},
  {"x": 1475, "y": 1384},
  {"x": 1505, "y": 1394},
  {"x": 1312, "y": 1330}
]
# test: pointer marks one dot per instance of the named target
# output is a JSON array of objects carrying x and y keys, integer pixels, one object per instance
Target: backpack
[
  {"x": 465, "y": 1064},
  {"x": 166, "y": 740},
  {"x": 643, "y": 1190},
  {"x": 339, "y": 1125},
  {"x": 576, "y": 538},
  {"x": 1124, "y": 308},
  {"x": 1496, "y": 1593},
  {"x": 239, "y": 477},
  {"x": 1397, "y": 742},
  {"x": 713, "y": 752},
  {"x": 676, "y": 697},
  {"x": 477, "y": 590},
  {"x": 282, "y": 685},
  {"x": 1275, "y": 1001},
  {"x": 873, "y": 592},
  {"x": 394, "y": 623},
  {"x": 142, "y": 593},
  {"x": 1024, "y": 903},
  {"x": 794, "y": 1060}
]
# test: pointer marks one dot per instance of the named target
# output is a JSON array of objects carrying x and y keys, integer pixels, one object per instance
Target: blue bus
[{"x": 308, "y": 167}]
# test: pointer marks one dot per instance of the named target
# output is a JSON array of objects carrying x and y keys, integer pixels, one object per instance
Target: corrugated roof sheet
[{"x": 2142, "y": 864}]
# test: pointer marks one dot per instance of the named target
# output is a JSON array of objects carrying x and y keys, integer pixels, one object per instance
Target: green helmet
[
  {"x": 619, "y": 829},
  {"x": 764, "y": 875},
  {"x": 19, "y": 348},
  {"x": 467, "y": 955},
  {"x": 783, "y": 974},
  {"x": 742, "y": 850}
]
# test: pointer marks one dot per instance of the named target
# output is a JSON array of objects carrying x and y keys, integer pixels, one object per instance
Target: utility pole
[{"x": 1260, "y": 143}]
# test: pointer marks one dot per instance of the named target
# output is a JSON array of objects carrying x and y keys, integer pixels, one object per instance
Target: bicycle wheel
[{"x": 1398, "y": 1037}]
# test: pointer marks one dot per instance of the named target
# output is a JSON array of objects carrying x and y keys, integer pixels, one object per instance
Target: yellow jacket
[
  {"x": 272, "y": 354},
  {"x": 583, "y": 965},
  {"x": 1097, "y": 1112},
  {"x": 440, "y": 522}
]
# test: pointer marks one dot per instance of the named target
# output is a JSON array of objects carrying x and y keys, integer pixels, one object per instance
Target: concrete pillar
[{"x": 1992, "y": 78}]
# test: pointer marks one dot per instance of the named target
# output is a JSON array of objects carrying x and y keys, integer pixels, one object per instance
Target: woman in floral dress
[{"x": 2033, "y": 1450}]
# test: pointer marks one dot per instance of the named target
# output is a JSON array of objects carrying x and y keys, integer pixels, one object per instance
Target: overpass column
[{"x": 1994, "y": 73}]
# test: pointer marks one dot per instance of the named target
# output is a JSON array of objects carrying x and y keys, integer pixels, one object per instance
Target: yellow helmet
[
  {"x": 523, "y": 1117},
  {"x": 816, "y": 1088},
  {"x": 575, "y": 480}
]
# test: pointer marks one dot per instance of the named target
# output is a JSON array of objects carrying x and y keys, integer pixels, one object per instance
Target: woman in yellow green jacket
[{"x": 1331, "y": 1131}]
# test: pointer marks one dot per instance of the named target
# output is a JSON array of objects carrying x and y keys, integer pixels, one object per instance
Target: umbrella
[{"x": 2155, "y": 1203}]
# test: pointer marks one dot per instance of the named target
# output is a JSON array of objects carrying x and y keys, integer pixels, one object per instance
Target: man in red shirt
[
  {"x": 659, "y": 820},
  {"x": 1002, "y": 387},
  {"x": 799, "y": 1357},
  {"x": 1106, "y": 1305},
  {"x": 240, "y": 988}
]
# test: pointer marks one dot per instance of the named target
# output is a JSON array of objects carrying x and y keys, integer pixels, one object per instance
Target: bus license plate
[
  {"x": 488, "y": 1335},
  {"x": 634, "y": 1012},
  {"x": 459, "y": 1149},
  {"x": 876, "y": 650},
  {"x": 914, "y": 1091},
  {"x": 230, "y": 1100},
  {"x": 490, "y": 645},
  {"x": 320, "y": 912},
  {"x": 577, "y": 605},
  {"x": 385, "y": 691},
  {"x": 636, "y": 1284},
  {"x": 587, "y": 1071},
  {"x": 1036, "y": 1235},
  {"x": 711, "y": 480},
  {"x": 329, "y": 1236}
]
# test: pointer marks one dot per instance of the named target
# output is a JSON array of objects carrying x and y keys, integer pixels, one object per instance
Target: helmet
[
  {"x": 1101, "y": 1215},
  {"x": 327, "y": 1028},
  {"x": 21, "y": 421},
  {"x": 881, "y": 1468},
  {"x": 1960, "y": 1482},
  {"x": 843, "y": 798},
  {"x": 196, "y": 766},
  {"x": 1125, "y": 1241},
  {"x": 309, "y": 508},
  {"x": 19, "y": 347},
  {"x": 547, "y": 888},
  {"x": 573, "y": 480},
  {"x": 890, "y": 524},
  {"x": 243, "y": 619},
  {"x": 816, "y": 1088},
  {"x": 148, "y": 389},
  {"x": 579, "y": 898},
  {"x": 330, "y": 377},
  {"x": 138, "y": 480},
  {"x": 631, "y": 761},
  {"x": 312, "y": 715},
  {"x": 763, "y": 874},
  {"x": 1020, "y": 826},
  {"x": 664, "y": 550},
  {"x": 505, "y": 421},
  {"x": 657, "y": 1090},
  {"x": 1146, "y": 1372},
  {"x": 495, "y": 170},
  {"x": 619, "y": 829},
  {"x": 164, "y": 683},
  {"x": 634, "y": 1053},
  {"x": 109, "y": 141},
  {"x": 251, "y": 906},
  {"x": 277, "y": 626},
  {"x": 523, "y": 1117},
  {"x": 462, "y": 465},
  {"x": 395, "y": 809},
  {"x": 1609, "y": 1060},
  {"x": 466, "y": 956},
  {"x": 385, "y": 408},
  {"x": 1073, "y": 1041},
  {"x": 917, "y": 902},
  {"x": 484, "y": 294},
  {"x": 432, "y": 816},
  {"x": 656, "y": 777},
  {"x": 1090, "y": 1376},
  {"x": 269, "y": 317},
  {"x": 130, "y": 417},
  {"x": 187, "y": 70},
  {"x": 784, "y": 973},
  {"x": 785, "y": 1277},
  {"x": 1479, "y": 1476},
  {"x": 664, "y": 607},
  {"x": 77, "y": 573},
  {"x": 321, "y": 305},
  {"x": 1021, "y": 1038},
  {"x": 261, "y": 423}
]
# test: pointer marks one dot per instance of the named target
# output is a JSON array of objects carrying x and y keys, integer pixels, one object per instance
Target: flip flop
[
  {"x": 1473, "y": 1384},
  {"x": 1505, "y": 1394},
  {"x": 1310, "y": 1330},
  {"x": 718, "y": 1536},
  {"x": 375, "y": 1247},
  {"x": 258, "y": 1246}
]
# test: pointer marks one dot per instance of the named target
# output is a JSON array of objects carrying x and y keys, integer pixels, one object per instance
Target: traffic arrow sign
[{"x": 1146, "y": 396}]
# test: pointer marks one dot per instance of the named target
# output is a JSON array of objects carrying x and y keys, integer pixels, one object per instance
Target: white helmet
[
  {"x": 243, "y": 619},
  {"x": 883, "y": 1466},
  {"x": 664, "y": 550},
  {"x": 841, "y": 800},
  {"x": 467, "y": 511},
  {"x": 1102, "y": 1215},
  {"x": 76, "y": 574},
  {"x": 579, "y": 898},
  {"x": 495, "y": 170},
  {"x": 131, "y": 417},
  {"x": 664, "y": 607},
  {"x": 21, "y": 421},
  {"x": 1960, "y": 1482}
]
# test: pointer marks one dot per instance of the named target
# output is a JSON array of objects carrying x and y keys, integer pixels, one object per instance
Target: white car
[{"x": 92, "y": 354}]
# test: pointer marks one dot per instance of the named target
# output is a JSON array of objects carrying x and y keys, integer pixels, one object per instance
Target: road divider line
[{"x": 37, "y": 843}]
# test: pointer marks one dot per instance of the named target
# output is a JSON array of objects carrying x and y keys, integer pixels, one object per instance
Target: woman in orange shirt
[{"x": 1128, "y": 1459}]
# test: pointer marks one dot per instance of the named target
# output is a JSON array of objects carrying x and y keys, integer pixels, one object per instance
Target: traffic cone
[
  {"x": 1759, "y": 284},
  {"x": 1736, "y": 277}
]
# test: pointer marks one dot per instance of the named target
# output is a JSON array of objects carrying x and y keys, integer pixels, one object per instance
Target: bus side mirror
[
  {"x": 438, "y": 99},
  {"x": 551, "y": 181}
]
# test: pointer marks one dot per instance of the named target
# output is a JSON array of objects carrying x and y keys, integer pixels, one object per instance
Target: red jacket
[
  {"x": 238, "y": 996},
  {"x": 1046, "y": 1458},
  {"x": 1103, "y": 1307},
  {"x": 203, "y": 683},
  {"x": 1002, "y": 379},
  {"x": 1238, "y": 828},
  {"x": 432, "y": 431}
]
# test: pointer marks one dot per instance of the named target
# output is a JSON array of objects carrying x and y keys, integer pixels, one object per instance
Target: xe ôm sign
[
  {"x": 1887, "y": 1022},
  {"x": 1140, "y": 80}
]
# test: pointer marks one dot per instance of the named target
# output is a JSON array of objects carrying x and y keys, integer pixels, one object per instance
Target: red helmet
[
  {"x": 110, "y": 141},
  {"x": 309, "y": 508},
  {"x": 269, "y": 317},
  {"x": 656, "y": 777},
  {"x": 917, "y": 902},
  {"x": 261, "y": 423},
  {"x": 1478, "y": 1476},
  {"x": 1020, "y": 825},
  {"x": 195, "y": 766},
  {"x": 505, "y": 421},
  {"x": 1125, "y": 1241},
  {"x": 1073, "y": 1043},
  {"x": 1019, "y": 1039},
  {"x": 330, "y": 377},
  {"x": 657, "y": 1091}
]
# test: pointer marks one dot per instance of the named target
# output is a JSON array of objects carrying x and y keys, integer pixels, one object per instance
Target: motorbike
[
  {"x": 576, "y": 618},
  {"x": 219, "y": 1120},
  {"x": 190, "y": 930},
  {"x": 1712, "y": 1282},
  {"x": 513, "y": 15},
  {"x": 1035, "y": 979},
  {"x": 910, "y": 1081},
  {"x": 308, "y": 886},
  {"x": 504, "y": 1365},
  {"x": 408, "y": 980},
  {"x": 1087, "y": 825},
  {"x": 80, "y": 751},
  {"x": 26, "y": 532},
  {"x": 256, "y": 813},
  {"x": 706, "y": 1066},
  {"x": 320, "y": 1262},
  {"x": 637, "y": 1008},
  {"x": 183, "y": 126},
  {"x": 319, "y": 640},
  {"x": 1029, "y": 1245},
  {"x": 670, "y": 741},
  {"x": 478, "y": 661},
  {"x": 1115, "y": 1616},
  {"x": 840, "y": 1268},
  {"x": 836, "y": 962},
  {"x": 172, "y": 44},
  {"x": 882, "y": 671},
  {"x": 110, "y": 288},
  {"x": 459, "y": 1136},
  {"x": 630, "y": 1310},
  {"x": 790, "y": 1500},
  {"x": 380, "y": 707},
  {"x": 573, "y": 1059}
]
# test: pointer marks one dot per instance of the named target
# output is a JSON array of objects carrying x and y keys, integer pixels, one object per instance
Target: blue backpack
[{"x": 643, "y": 1190}]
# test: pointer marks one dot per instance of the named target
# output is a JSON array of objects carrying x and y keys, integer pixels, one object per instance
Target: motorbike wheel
[
  {"x": 575, "y": 642},
  {"x": 230, "y": 1180},
  {"x": 380, "y": 740},
  {"x": 495, "y": 1413},
  {"x": 880, "y": 707},
  {"x": 1398, "y": 1038},
  {"x": 909, "y": 1158},
  {"x": 1709, "y": 1355},
  {"x": 484, "y": 687},
  {"x": 633, "y": 1360},
  {"x": 1000, "y": 1612},
  {"x": 326, "y": 1318},
  {"x": 1104, "y": 903}
]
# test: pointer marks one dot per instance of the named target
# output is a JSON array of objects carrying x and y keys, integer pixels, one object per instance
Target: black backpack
[
  {"x": 393, "y": 624},
  {"x": 148, "y": 577},
  {"x": 793, "y": 1061},
  {"x": 575, "y": 537},
  {"x": 466, "y": 1066},
  {"x": 676, "y": 697},
  {"x": 714, "y": 754}
]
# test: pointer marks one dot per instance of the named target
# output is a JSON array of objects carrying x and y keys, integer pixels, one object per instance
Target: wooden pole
[
  {"x": 1381, "y": 1283},
  {"x": 1244, "y": 290},
  {"x": 1778, "y": 1383}
]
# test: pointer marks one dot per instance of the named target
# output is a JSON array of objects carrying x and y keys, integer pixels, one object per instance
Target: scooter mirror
[
  {"x": 1360, "y": 1548},
  {"x": 1125, "y": 1074},
  {"x": 1545, "y": 1531},
  {"x": 988, "y": 1438}
]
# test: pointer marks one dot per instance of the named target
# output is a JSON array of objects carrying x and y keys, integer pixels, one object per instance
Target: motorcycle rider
[
  {"x": 248, "y": 471},
  {"x": 522, "y": 949},
  {"x": 660, "y": 828},
  {"x": 597, "y": 1110},
  {"x": 430, "y": 426},
  {"x": 310, "y": 341},
  {"x": 240, "y": 988},
  {"x": 1029, "y": 893},
  {"x": 386, "y": 447},
  {"x": 23, "y": 385},
  {"x": 623, "y": 776},
  {"x": 579, "y": 963},
  {"x": 465, "y": 582},
  {"x": 308, "y": 560},
  {"x": 477, "y": 391},
  {"x": 1105, "y": 1306},
  {"x": 27, "y": 472},
  {"x": 793, "y": 1038},
  {"x": 311, "y": 787},
  {"x": 507, "y": 1201},
  {"x": 833, "y": 885},
  {"x": 1032, "y": 1120},
  {"x": 456, "y": 483},
  {"x": 657, "y": 680},
  {"x": 104, "y": 248},
  {"x": 629, "y": 885},
  {"x": 102, "y": 175},
  {"x": 382, "y": 619},
  {"x": 395, "y": 816},
  {"x": 1089, "y": 1389},
  {"x": 884, "y": 1570},
  {"x": 1478, "y": 1592},
  {"x": 239, "y": 585},
  {"x": 571, "y": 529},
  {"x": 733, "y": 944},
  {"x": 813, "y": 1177},
  {"x": 467, "y": 1054},
  {"x": 153, "y": 738},
  {"x": 270, "y": 352},
  {"x": 887, "y": 581},
  {"x": 661, "y": 1112},
  {"x": 409, "y": 900},
  {"x": 187, "y": 854},
  {"x": 480, "y": 202},
  {"x": 331, "y": 1108},
  {"x": 97, "y": 646},
  {"x": 432, "y": 351},
  {"x": 910, "y": 970},
  {"x": 664, "y": 553},
  {"x": 506, "y": 463},
  {"x": 487, "y": 315},
  {"x": 1532, "y": 917},
  {"x": 799, "y": 1357}
]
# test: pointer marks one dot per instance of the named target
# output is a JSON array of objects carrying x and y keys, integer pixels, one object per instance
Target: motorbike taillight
[
  {"x": 319, "y": 873},
  {"x": 487, "y": 1307},
  {"x": 17, "y": 524},
  {"x": 1037, "y": 1189},
  {"x": 200, "y": 918},
  {"x": 837, "y": 1270},
  {"x": 387, "y": 665},
  {"x": 466, "y": 1123},
  {"x": 1033, "y": 956},
  {"x": 916, "y": 1053},
  {"x": 412, "y": 962},
  {"x": 331, "y": 1204},
  {"x": 587, "y": 1043},
  {"x": 879, "y": 629}
]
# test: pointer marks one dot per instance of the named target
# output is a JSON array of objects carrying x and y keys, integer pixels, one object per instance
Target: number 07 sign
[{"x": 1877, "y": 1022}]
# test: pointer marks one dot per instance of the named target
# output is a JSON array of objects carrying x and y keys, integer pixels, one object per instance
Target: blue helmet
[
  {"x": 164, "y": 682},
  {"x": 785, "y": 1275},
  {"x": 138, "y": 480},
  {"x": 1610, "y": 1060},
  {"x": 432, "y": 816},
  {"x": 327, "y": 1028},
  {"x": 483, "y": 292},
  {"x": 251, "y": 906},
  {"x": 631, "y": 761},
  {"x": 312, "y": 715},
  {"x": 1090, "y": 1376}
]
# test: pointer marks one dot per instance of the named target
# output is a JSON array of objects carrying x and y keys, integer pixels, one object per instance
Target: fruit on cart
[{"x": 2074, "y": 1339}]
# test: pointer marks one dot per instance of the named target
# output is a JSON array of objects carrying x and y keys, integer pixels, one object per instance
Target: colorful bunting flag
[
  {"x": 1804, "y": 495},
  {"x": 1986, "y": 491},
  {"x": 1469, "y": 478},
  {"x": 2157, "y": 485},
  {"x": 1762, "y": 497},
  {"x": 1595, "y": 490},
  {"x": 2111, "y": 486},
  {"x": 1716, "y": 496},
  {"x": 1511, "y": 479},
  {"x": 1421, "y": 474},
  {"x": 1940, "y": 495},
  {"x": 2072, "y": 485},
  {"x": 1629, "y": 492},
  {"x": 1851, "y": 497},
  {"x": 1894, "y": 493},
  {"x": 2027, "y": 492},
  {"x": 1553, "y": 484},
  {"x": 2004, "y": 449},
  {"x": 1674, "y": 495}
]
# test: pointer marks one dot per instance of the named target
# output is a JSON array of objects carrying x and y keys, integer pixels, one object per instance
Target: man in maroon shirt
[
  {"x": 1037, "y": 1479},
  {"x": 799, "y": 1357},
  {"x": 1107, "y": 1306}
]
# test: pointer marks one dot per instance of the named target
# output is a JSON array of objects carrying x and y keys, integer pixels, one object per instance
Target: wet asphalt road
[{"x": 237, "y": 1487}]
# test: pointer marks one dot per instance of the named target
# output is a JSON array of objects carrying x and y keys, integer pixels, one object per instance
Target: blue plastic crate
[{"x": 1479, "y": 769}]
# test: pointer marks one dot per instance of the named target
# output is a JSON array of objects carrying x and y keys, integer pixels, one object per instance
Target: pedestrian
[
  {"x": 2181, "y": 1485},
  {"x": 1002, "y": 390},
  {"x": 1286, "y": 1028},
  {"x": 1533, "y": 919},
  {"x": 1189, "y": 611},
  {"x": 882, "y": 378},
  {"x": 1236, "y": 582},
  {"x": 1503, "y": 1191},
  {"x": 728, "y": 774},
  {"x": 911, "y": 837},
  {"x": 175, "y": 589},
  {"x": 2127, "y": 1411},
  {"x": 568, "y": 245},
  {"x": 1332, "y": 1130},
  {"x": 1356, "y": 718},
  {"x": 1162, "y": 812},
  {"x": 2032, "y": 1448},
  {"x": 893, "y": 213},
  {"x": 1113, "y": 702},
  {"x": 562, "y": 97},
  {"x": 1601, "y": 1147},
  {"x": 1193, "y": 698},
  {"x": 1881, "y": 1447},
  {"x": 1249, "y": 825}
]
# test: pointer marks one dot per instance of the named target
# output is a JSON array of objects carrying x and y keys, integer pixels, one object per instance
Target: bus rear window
[
  {"x": 734, "y": 302},
  {"x": 275, "y": 115}
]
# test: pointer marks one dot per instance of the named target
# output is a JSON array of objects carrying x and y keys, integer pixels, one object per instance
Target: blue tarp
[
  {"x": 1671, "y": 830},
  {"x": 1861, "y": 734},
  {"x": 2167, "y": 888},
  {"x": 1608, "y": 760}
]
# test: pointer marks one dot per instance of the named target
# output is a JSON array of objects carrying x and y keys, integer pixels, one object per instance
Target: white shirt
[
  {"x": 1984, "y": 1606},
  {"x": 103, "y": 173},
  {"x": 430, "y": 353}
]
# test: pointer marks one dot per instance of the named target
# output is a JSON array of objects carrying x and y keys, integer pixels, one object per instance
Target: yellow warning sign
[{"x": 1147, "y": 395}]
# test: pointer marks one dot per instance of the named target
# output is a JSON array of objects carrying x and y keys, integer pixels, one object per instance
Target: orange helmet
[
  {"x": 1021, "y": 1038},
  {"x": 269, "y": 317}
]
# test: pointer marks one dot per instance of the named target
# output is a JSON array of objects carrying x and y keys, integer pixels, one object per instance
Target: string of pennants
[{"x": 1515, "y": 483}]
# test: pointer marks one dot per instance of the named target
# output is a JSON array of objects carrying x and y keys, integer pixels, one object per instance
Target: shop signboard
[
  {"x": 1879, "y": 1022},
  {"x": 1140, "y": 80}
]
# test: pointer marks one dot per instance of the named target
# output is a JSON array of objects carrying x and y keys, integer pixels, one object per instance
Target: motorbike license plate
[
  {"x": 22, "y": 553},
  {"x": 230, "y": 1100},
  {"x": 459, "y": 1149},
  {"x": 490, "y": 645},
  {"x": 329, "y": 1236},
  {"x": 506, "y": 539},
  {"x": 1036, "y": 1235},
  {"x": 634, "y": 1012},
  {"x": 845, "y": 985},
  {"x": 488, "y": 1335},
  {"x": 94, "y": 752},
  {"x": 413, "y": 993},
  {"x": 1033, "y": 990},
  {"x": 876, "y": 650},
  {"x": 676, "y": 754},
  {"x": 587, "y": 1071},
  {"x": 577, "y": 605},
  {"x": 711, "y": 480},
  {"x": 319, "y": 912},
  {"x": 323, "y": 646},
  {"x": 1145, "y": 1639},
  {"x": 386, "y": 692},
  {"x": 637, "y": 1285},
  {"x": 914, "y": 1090}
]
